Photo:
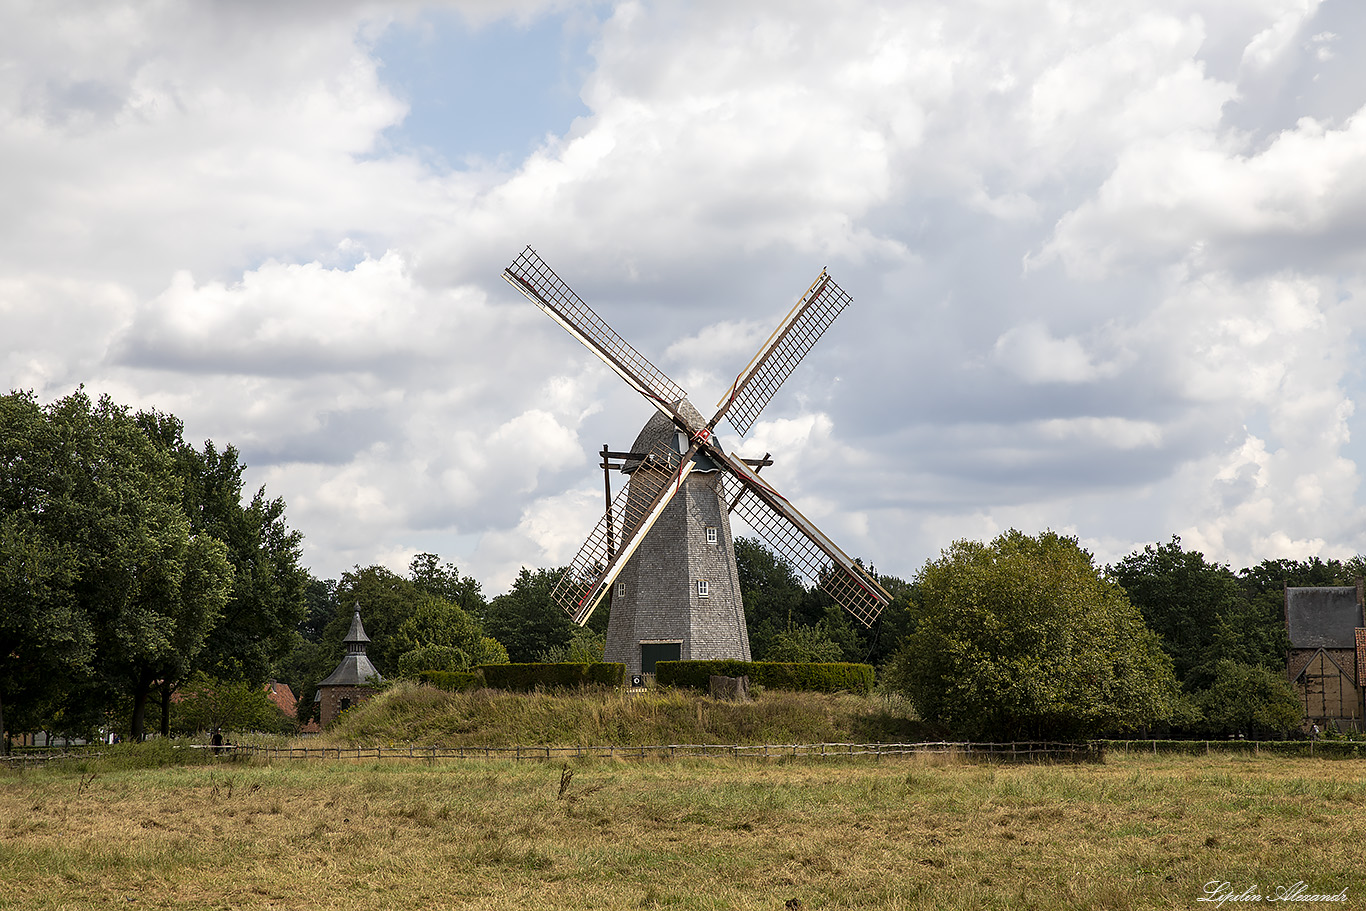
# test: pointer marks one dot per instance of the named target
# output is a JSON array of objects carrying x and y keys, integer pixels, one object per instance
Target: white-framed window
[
  {"x": 703, "y": 589},
  {"x": 712, "y": 536},
  {"x": 621, "y": 589}
]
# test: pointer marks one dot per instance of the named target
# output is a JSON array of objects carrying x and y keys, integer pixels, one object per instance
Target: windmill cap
[{"x": 660, "y": 428}]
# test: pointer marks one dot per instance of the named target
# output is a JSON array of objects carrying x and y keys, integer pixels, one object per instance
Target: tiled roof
[
  {"x": 282, "y": 696},
  {"x": 356, "y": 668},
  {"x": 1361, "y": 657},
  {"x": 1322, "y": 617}
]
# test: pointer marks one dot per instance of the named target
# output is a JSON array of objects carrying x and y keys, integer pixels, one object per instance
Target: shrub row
[
  {"x": 824, "y": 677},
  {"x": 455, "y": 681},
  {"x": 552, "y": 676}
]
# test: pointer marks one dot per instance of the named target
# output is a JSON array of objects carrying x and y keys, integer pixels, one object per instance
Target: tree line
[
  {"x": 133, "y": 568},
  {"x": 1026, "y": 636},
  {"x": 129, "y": 561}
]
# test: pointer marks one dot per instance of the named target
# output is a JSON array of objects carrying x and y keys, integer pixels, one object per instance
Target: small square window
[
  {"x": 621, "y": 589},
  {"x": 712, "y": 536},
  {"x": 703, "y": 589}
]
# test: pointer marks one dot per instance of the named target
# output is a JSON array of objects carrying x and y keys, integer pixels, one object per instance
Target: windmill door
[{"x": 654, "y": 652}]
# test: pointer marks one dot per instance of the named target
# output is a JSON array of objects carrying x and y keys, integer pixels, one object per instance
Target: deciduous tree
[
  {"x": 1024, "y": 637},
  {"x": 107, "y": 545},
  {"x": 1249, "y": 700},
  {"x": 269, "y": 593},
  {"x": 525, "y": 620},
  {"x": 1197, "y": 608},
  {"x": 46, "y": 634}
]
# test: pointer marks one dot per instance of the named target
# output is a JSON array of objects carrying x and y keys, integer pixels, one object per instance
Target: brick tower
[{"x": 353, "y": 681}]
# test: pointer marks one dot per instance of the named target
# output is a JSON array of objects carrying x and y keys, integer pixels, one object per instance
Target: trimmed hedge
[
  {"x": 826, "y": 677},
  {"x": 455, "y": 681},
  {"x": 552, "y": 676}
]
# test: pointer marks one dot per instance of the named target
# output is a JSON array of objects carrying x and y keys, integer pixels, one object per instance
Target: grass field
[
  {"x": 1134, "y": 832},
  {"x": 409, "y": 713}
]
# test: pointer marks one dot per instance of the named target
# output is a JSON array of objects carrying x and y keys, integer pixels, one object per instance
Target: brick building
[
  {"x": 1327, "y": 657},
  {"x": 352, "y": 682}
]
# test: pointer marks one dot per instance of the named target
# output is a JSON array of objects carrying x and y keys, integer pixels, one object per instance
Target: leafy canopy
[{"x": 1025, "y": 638}]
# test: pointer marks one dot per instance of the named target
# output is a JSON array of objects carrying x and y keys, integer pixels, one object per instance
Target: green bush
[
  {"x": 529, "y": 677},
  {"x": 455, "y": 681},
  {"x": 820, "y": 677},
  {"x": 414, "y": 662},
  {"x": 605, "y": 673},
  {"x": 208, "y": 703},
  {"x": 1025, "y": 638},
  {"x": 1249, "y": 699}
]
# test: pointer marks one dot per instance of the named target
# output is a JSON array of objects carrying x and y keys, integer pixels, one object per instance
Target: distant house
[
  {"x": 1327, "y": 657},
  {"x": 283, "y": 697},
  {"x": 352, "y": 682}
]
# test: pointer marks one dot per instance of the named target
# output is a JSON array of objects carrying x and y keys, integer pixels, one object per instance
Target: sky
[{"x": 1107, "y": 261}]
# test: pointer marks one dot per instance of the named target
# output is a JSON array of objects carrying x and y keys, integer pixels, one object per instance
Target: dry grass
[
  {"x": 411, "y": 713},
  {"x": 1133, "y": 833}
]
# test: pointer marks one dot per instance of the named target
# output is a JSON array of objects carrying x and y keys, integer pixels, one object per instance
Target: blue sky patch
[{"x": 484, "y": 93}]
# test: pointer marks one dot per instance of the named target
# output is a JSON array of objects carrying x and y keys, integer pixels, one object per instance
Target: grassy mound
[{"x": 414, "y": 713}]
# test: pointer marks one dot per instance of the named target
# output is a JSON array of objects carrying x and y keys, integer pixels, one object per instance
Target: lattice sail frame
[
  {"x": 594, "y": 568},
  {"x": 838, "y": 576},
  {"x": 538, "y": 283},
  {"x": 782, "y": 352}
]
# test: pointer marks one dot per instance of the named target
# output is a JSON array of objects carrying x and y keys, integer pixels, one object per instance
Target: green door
[{"x": 653, "y": 652}]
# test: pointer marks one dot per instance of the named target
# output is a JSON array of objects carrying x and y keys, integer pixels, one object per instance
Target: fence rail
[{"x": 1021, "y": 751}]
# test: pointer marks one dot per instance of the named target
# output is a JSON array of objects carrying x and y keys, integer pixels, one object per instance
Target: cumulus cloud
[{"x": 1106, "y": 264}]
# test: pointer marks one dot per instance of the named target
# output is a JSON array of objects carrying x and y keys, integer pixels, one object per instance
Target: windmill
[{"x": 663, "y": 546}]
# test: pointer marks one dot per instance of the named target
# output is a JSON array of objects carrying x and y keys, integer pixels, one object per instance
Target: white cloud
[
  {"x": 1268, "y": 45},
  {"x": 1037, "y": 357},
  {"x": 204, "y": 216},
  {"x": 1201, "y": 198}
]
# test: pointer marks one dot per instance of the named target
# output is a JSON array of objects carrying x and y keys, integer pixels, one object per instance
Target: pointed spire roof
[
  {"x": 357, "y": 631},
  {"x": 355, "y": 668}
]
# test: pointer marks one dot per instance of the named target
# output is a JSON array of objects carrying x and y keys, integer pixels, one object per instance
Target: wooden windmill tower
[{"x": 663, "y": 548}]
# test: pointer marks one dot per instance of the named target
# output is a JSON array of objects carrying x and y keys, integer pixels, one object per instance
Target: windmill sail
[
  {"x": 704, "y": 624},
  {"x": 538, "y": 282},
  {"x": 794, "y": 538},
  {"x": 635, "y": 509},
  {"x": 780, "y": 355}
]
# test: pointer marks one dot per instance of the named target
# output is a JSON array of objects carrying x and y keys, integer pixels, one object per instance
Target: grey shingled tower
[
  {"x": 678, "y": 597},
  {"x": 663, "y": 546},
  {"x": 353, "y": 680}
]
